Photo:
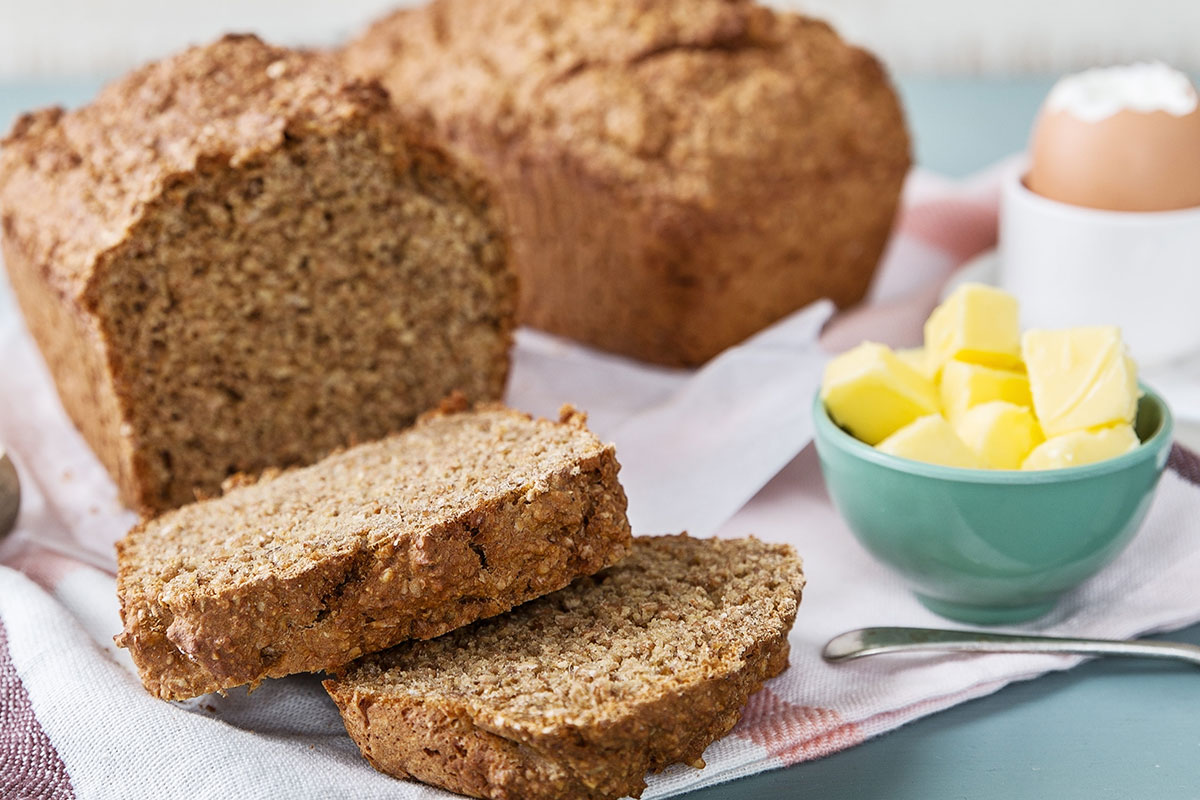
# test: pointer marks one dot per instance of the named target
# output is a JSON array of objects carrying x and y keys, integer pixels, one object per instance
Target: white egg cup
[{"x": 1070, "y": 265}]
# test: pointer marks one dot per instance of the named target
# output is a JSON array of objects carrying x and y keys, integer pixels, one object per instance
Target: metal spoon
[
  {"x": 873, "y": 641},
  {"x": 10, "y": 494}
]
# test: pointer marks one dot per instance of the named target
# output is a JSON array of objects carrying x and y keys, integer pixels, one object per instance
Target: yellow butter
[
  {"x": 1082, "y": 447},
  {"x": 930, "y": 439},
  {"x": 1080, "y": 378},
  {"x": 976, "y": 323},
  {"x": 916, "y": 358},
  {"x": 965, "y": 386},
  {"x": 872, "y": 393},
  {"x": 1001, "y": 434}
]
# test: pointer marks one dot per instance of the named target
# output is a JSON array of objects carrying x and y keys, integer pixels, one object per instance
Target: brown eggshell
[{"x": 1129, "y": 161}]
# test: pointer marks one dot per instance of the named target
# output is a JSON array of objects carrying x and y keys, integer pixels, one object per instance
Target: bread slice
[
  {"x": 239, "y": 258},
  {"x": 462, "y": 517},
  {"x": 582, "y": 692}
]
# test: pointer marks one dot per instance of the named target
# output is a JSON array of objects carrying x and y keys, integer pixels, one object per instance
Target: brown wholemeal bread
[
  {"x": 239, "y": 258},
  {"x": 461, "y": 517},
  {"x": 679, "y": 173},
  {"x": 580, "y": 693}
]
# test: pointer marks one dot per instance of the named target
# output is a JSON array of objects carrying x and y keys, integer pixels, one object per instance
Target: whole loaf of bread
[
  {"x": 239, "y": 257},
  {"x": 679, "y": 173}
]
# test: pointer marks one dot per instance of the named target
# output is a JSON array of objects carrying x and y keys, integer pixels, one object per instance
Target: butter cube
[
  {"x": 1080, "y": 378},
  {"x": 1001, "y": 434},
  {"x": 1082, "y": 447},
  {"x": 965, "y": 386},
  {"x": 916, "y": 358},
  {"x": 870, "y": 392},
  {"x": 976, "y": 323},
  {"x": 930, "y": 439}
]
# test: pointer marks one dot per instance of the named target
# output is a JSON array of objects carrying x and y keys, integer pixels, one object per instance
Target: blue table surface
[{"x": 1106, "y": 729}]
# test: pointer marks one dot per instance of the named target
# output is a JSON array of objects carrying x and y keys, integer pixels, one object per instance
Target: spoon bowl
[{"x": 10, "y": 494}]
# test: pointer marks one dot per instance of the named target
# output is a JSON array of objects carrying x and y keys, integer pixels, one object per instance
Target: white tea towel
[{"x": 75, "y": 722}]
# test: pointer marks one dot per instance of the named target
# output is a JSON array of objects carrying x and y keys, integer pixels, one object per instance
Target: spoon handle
[{"x": 873, "y": 641}]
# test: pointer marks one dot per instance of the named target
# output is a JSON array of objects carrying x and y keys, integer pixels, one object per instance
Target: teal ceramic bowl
[{"x": 993, "y": 546}]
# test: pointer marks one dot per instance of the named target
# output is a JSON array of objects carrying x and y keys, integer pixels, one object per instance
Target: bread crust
[
  {"x": 465, "y": 743},
  {"x": 679, "y": 174},
  {"x": 189, "y": 633}
]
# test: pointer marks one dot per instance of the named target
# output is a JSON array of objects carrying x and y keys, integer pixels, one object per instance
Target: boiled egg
[{"x": 1119, "y": 138}]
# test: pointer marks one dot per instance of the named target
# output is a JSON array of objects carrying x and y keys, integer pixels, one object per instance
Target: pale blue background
[{"x": 1107, "y": 729}]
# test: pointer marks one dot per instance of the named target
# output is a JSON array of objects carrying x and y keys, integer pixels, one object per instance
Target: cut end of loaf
[{"x": 582, "y": 692}]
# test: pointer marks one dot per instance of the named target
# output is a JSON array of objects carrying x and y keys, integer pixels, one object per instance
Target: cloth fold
[{"x": 696, "y": 446}]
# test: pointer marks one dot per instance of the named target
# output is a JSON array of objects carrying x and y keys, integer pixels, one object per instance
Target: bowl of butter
[{"x": 994, "y": 469}]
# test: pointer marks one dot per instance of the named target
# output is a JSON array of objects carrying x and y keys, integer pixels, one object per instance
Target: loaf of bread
[
  {"x": 580, "y": 693},
  {"x": 679, "y": 173},
  {"x": 239, "y": 258},
  {"x": 461, "y": 517}
]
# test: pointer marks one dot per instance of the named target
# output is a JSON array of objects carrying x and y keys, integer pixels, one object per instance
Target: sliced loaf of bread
[
  {"x": 240, "y": 258},
  {"x": 580, "y": 693},
  {"x": 461, "y": 517}
]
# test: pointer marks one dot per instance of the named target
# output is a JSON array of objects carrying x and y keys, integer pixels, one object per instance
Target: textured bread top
[
  {"x": 85, "y": 176},
  {"x": 676, "y": 94},
  {"x": 377, "y": 495},
  {"x": 675, "y": 613}
]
